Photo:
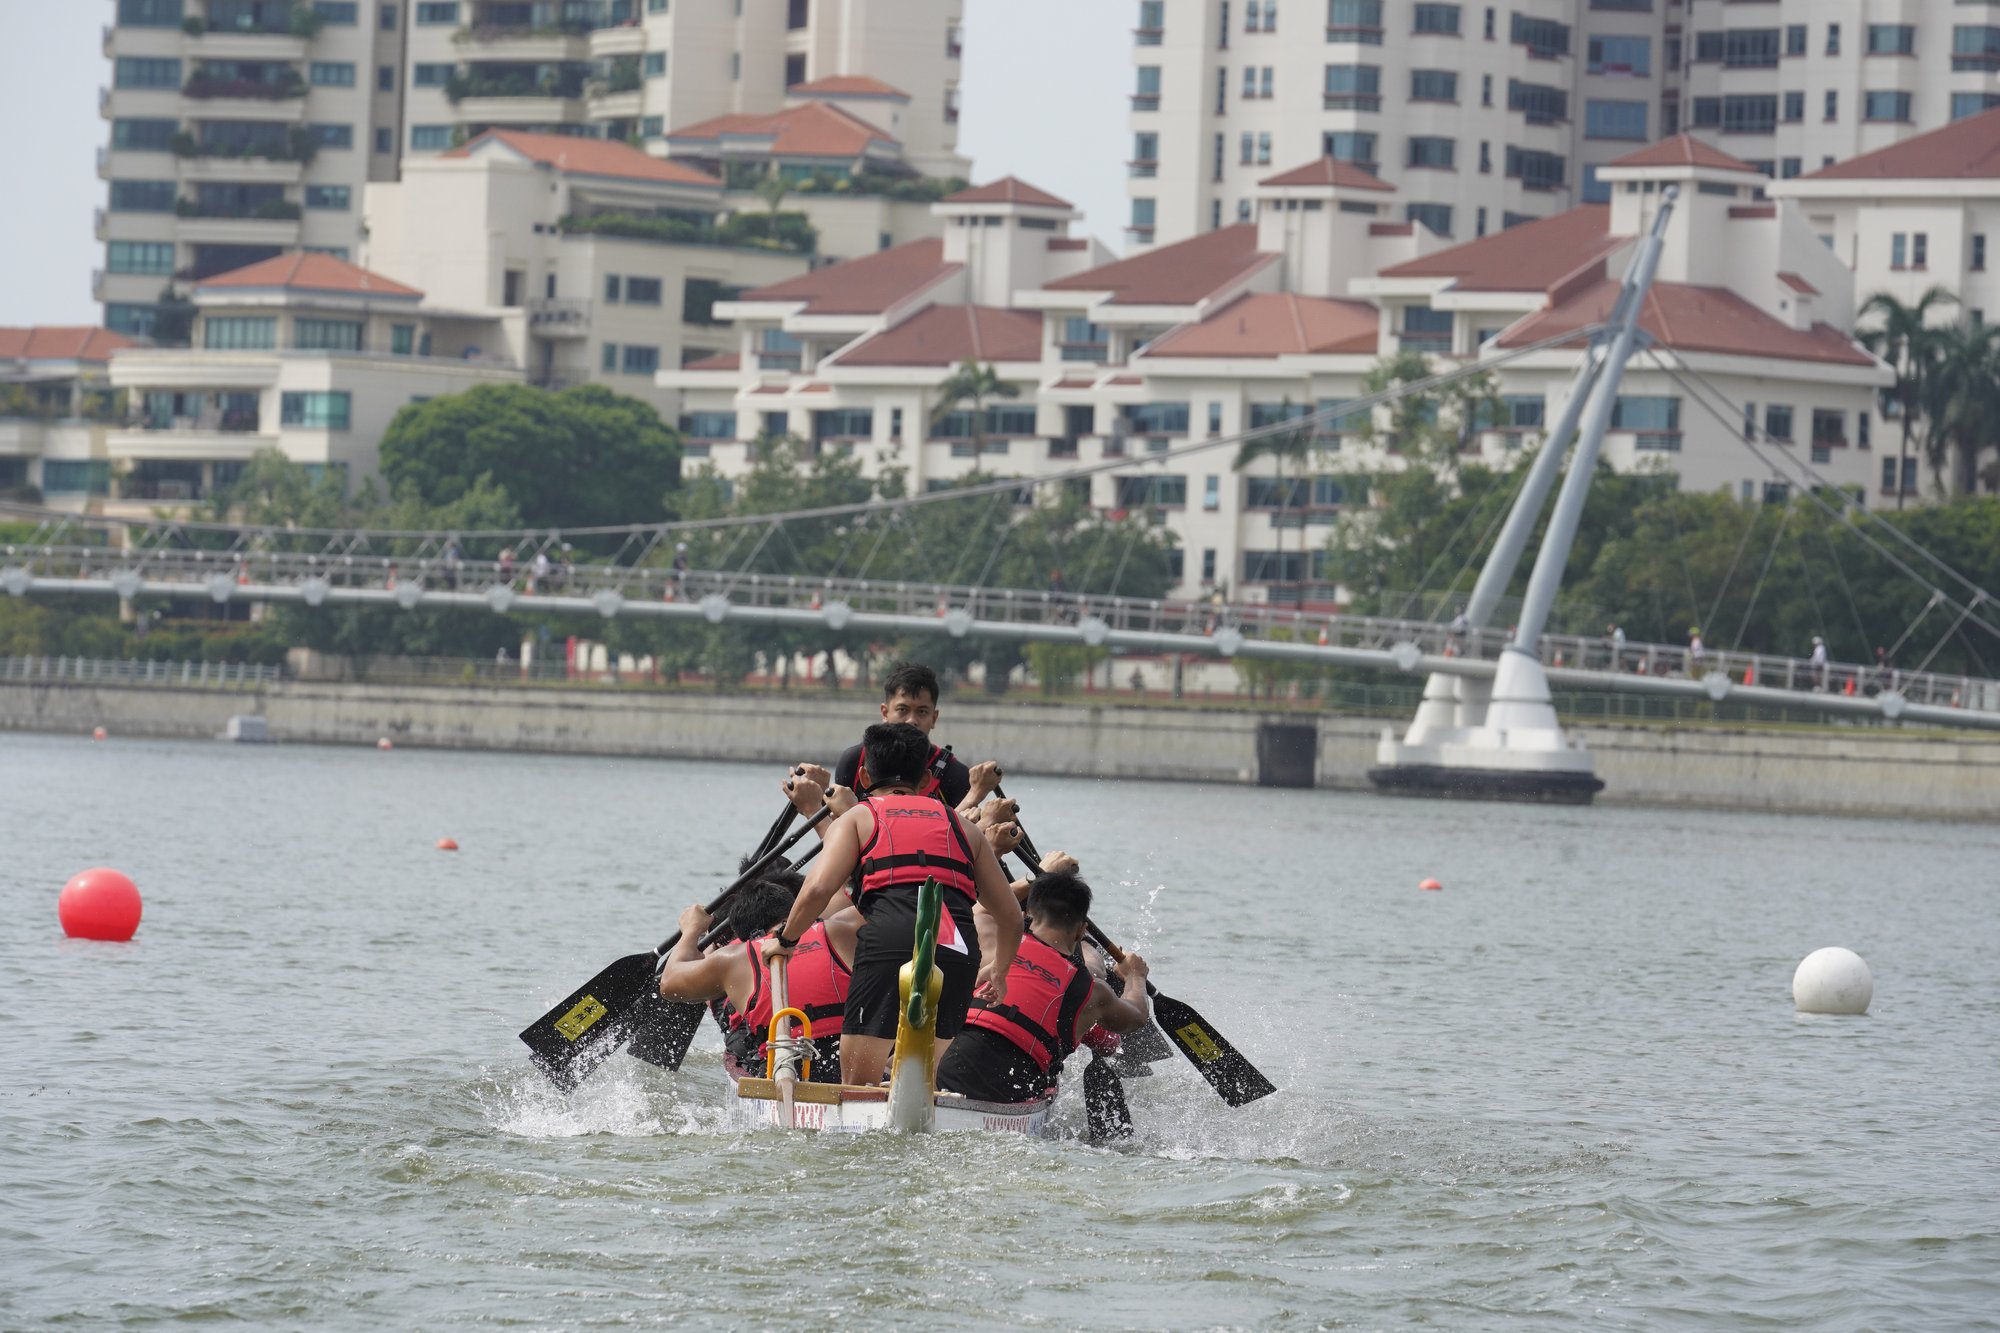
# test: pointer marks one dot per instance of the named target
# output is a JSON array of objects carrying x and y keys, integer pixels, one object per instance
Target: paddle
[
  {"x": 1233, "y": 1077},
  {"x": 724, "y": 930},
  {"x": 1104, "y": 1101},
  {"x": 572, "y": 1039},
  {"x": 660, "y": 1035}
]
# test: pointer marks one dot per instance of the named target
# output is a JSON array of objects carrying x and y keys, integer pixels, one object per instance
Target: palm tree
[
  {"x": 772, "y": 189},
  {"x": 1298, "y": 448},
  {"x": 1908, "y": 343},
  {"x": 1963, "y": 402},
  {"x": 971, "y": 383}
]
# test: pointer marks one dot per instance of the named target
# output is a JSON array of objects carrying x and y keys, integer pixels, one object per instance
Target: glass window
[
  {"x": 1435, "y": 18},
  {"x": 1545, "y": 38},
  {"x": 388, "y": 18},
  {"x": 1891, "y": 39},
  {"x": 1157, "y": 418},
  {"x": 844, "y": 423},
  {"x": 239, "y": 334},
  {"x": 430, "y": 136},
  {"x": 430, "y": 75},
  {"x": 1150, "y": 492},
  {"x": 1541, "y": 104},
  {"x": 1971, "y": 104},
  {"x": 125, "y": 317},
  {"x": 1795, "y": 107},
  {"x": 1428, "y": 151},
  {"x": 345, "y": 13},
  {"x": 642, "y": 291},
  {"x": 640, "y": 360},
  {"x": 1795, "y": 39},
  {"x": 1893, "y": 106},
  {"x": 1778, "y": 422},
  {"x": 1148, "y": 81},
  {"x": 1356, "y": 146},
  {"x": 149, "y": 13},
  {"x": 1536, "y": 171},
  {"x": 709, "y": 425},
  {"x": 441, "y": 14},
  {"x": 147, "y": 136},
  {"x": 327, "y": 196},
  {"x": 1642, "y": 413},
  {"x": 613, "y": 287},
  {"x": 332, "y": 74},
  {"x": 1621, "y": 55},
  {"x": 327, "y": 335},
  {"x": 1614, "y": 120},
  {"x": 146, "y": 72},
  {"x": 610, "y": 360},
  {"x": 332, "y": 136},
  {"x": 320, "y": 410},
  {"x": 385, "y": 78},
  {"x": 656, "y": 64},
  {"x": 385, "y": 139},
  {"x": 1433, "y": 85},
  {"x": 1143, "y": 211},
  {"x": 1353, "y": 87},
  {"x": 142, "y": 196},
  {"x": 1354, "y": 21},
  {"x": 1435, "y": 216},
  {"x": 402, "y": 339},
  {"x": 64, "y": 476},
  {"x": 153, "y": 257}
]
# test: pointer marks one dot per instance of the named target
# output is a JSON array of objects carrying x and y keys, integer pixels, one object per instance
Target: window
[
  {"x": 149, "y": 13},
  {"x": 1489, "y": 23},
  {"x": 1247, "y": 148},
  {"x": 438, "y": 15},
  {"x": 385, "y": 139},
  {"x": 655, "y": 64},
  {"x": 1541, "y": 104},
  {"x": 709, "y": 425},
  {"x": 61, "y": 476},
  {"x": 1749, "y": 113},
  {"x": 1264, "y": 83},
  {"x": 326, "y": 335},
  {"x": 332, "y": 136},
  {"x": 322, "y": 410},
  {"x": 1264, "y": 149},
  {"x": 1271, "y": 414},
  {"x": 1614, "y": 120},
  {"x": 1595, "y": 191},
  {"x": 1251, "y": 8},
  {"x": 1354, "y": 21},
  {"x": 342, "y": 13},
  {"x": 1152, "y": 20},
  {"x": 1544, "y": 38},
  {"x": 735, "y": 66},
  {"x": 1150, "y": 492},
  {"x": 1788, "y": 167},
  {"x": 332, "y": 74},
  {"x": 402, "y": 339},
  {"x": 1893, "y": 106},
  {"x": 652, "y": 127},
  {"x": 145, "y": 136},
  {"x": 142, "y": 196},
  {"x": 385, "y": 78},
  {"x": 614, "y": 287},
  {"x": 1479, "y": 225},
  {"x": 1222, "y": 30},
  {"x": 1975, "y": 48},
  {"x": 1353, "y": 88},
  {"x": 1486, "y": 90},
  {"x": 1778, "y": 424},
  {"x": 1829, "y": 427},
  {"x": 125, "y": 317},
  {"x": 1211, "y": 495},
  {"x": 1795, "y": 39},
  {"x": 1971, "y": 104},
  {"x": 339, "y": 252},
  {"x": 1145, "y": 154},
  {"x": 1795, "y": 107},
  {"x": 1157, "y": 418},
  {"x": 1433, "y": 85},
  {"x": 1920, "y": 243},
  {"x": 698, "y": 298},
  {"x": 1536, "y": 171},
  {"x": 245, "y": 334},
  {"x": 610, "y": 359},
  {"x": 1427, "y": 151},
  {"x": 1978, "y": 264},
  {"x": 1745, "y": 48},
  {"x": 388, "y": 18},
  {"x": 1146, "y": 92},
  {"x": 844, "y": 423},
  {"x": 1435, "y": 216},
  {"x": 153, "y": 257},
  {"x": 1749, "y": 421},
  {"x": 1083, "y": 341},
  {"x": 1425, "y": 329},
  {"x": 145, "y": 72},
  {"x": 1621, "y": 55},
  {"x": 1833, "y": 39},
  {"x": 1899, "y": 250},
  {"x": 327, "y": 196},
  {"x": 1832, "y": 105},
  {"x": 1892, "y": 39},
  {"x": 642, "y": 291},
  {"x": 1521, "y": 412},
  {"x": 1435, "y": 18},
  {"x": 1861, "y": 429},
  {"x": 430, "y": 75},
  {"x": 1142, "y": 215},
  {"x": 1356, "y": 146},
  {"x": 1249, "y": 82},
  {"x": 641, "y": 360}
]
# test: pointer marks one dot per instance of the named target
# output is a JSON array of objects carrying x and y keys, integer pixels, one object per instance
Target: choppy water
[{"x": 1568, "y": 1090}]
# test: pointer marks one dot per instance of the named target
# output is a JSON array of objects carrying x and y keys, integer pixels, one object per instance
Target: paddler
[
  {"x": 910, "y": 694},
  {"x": 896, "y": 838},
  {"x": 1014, "y": 1044},
  {"x": 816, "y": 980}
]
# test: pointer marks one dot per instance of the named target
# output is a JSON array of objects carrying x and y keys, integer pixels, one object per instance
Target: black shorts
[
  {"x": 873, "y": 997},
  {"x": 987, "y": 1067}
]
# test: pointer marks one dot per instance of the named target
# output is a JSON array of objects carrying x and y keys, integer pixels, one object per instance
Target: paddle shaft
[
  {"x": 720, "y": 932},
  {"x": 757, "y": 867}
]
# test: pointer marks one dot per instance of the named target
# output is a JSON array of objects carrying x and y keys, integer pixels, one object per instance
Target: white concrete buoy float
[{"x": 1832, "y": 981}]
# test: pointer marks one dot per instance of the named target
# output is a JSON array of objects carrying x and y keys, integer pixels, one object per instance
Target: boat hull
[{"x": 752, "y": 1103}]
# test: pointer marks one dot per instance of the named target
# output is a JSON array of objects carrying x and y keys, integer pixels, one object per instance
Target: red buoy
[
  {"x": 99, "y": 904},
  {"x": 447, "y": 845},
  {"x": 1430, "y": 885},
  {"x": 385, "y": 744},
  {"x": 99, "y": 734}
]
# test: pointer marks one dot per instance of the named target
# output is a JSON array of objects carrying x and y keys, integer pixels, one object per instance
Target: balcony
[
  {"x": 198, "y": 229},
  {"x": 249, "y": 44},
  {"x": 100, "y": 229},
  {"x": 1437, "y": 344},
  {"x": 627, "y": 39},
  {"x": 186, "y": 440},
  {"x": 529, "y": 110},
  {"x": 1064, "y": 448},
  {"x": 1144, "y": 169},
  {"x": 1351, "y": 102},
  {"x": 551, "y": 45},
  {"x": 610, "y": 102},
  {"x": 229, "y": 99},
  {"x": 555, "y": 318},
  {"x": 1145, "y": 101}
]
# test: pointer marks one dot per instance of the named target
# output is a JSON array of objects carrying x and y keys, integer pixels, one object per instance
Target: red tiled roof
[
  {"x": 1276, "y": 324},
  {"x": 1330, "y": 171},
  {"x": 1392, "y": 229},
  {"x": 944, "y": 335},
  {"x": 591, "y": 157},
  {"x": 720, "y": 361},
  {"x": 1068, "y": 243},
  {"x": 1531, "y": 257},
  {"x": 1125, "y": 380},
  {"x": 1695, "y": 319},
  {"x": 864, "y": 286},
  {"x": 1075, "y": 382},
  {"x": 772, "y": 388},
  {"x": 1684, "y": 150},
  {"x": 1966, "y": 149},
  {"x": 1751, "y": 211},
  {"x": 814, "y": 129},
  {"x": 1007, "y": 190},
  {"x": 1177, "y": 274},
  {"x": 848, "y": 85},
  {"x": 300, "y": 271},
  {"x": 1798, "y": 284},
  {"x": 60, "y": 342},
  {"x": 815, "y": 387}
]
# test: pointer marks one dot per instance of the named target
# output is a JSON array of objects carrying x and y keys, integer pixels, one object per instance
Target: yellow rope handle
[{"x": 771, "y": 1039}]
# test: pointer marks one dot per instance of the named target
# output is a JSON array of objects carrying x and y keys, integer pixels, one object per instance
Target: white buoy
[{"x": 1832, "y": 981}]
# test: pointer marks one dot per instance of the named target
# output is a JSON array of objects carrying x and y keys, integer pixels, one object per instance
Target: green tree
[
  {"x": 583, "y": 457},
  {"x": 1962, "y": 397},
  {"x": 975, "y": 384},
  {"x": 1908, "y": 342}
]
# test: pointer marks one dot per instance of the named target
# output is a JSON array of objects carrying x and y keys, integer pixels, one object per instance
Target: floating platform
[{"x": 1531, "y": 786}]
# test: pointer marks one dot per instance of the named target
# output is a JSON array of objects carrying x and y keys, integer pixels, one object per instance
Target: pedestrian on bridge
[
  {"x": 1696, "y": 654},
  {"x": 1818, "y": 663},
  {"x": 1616, "y": 634}
]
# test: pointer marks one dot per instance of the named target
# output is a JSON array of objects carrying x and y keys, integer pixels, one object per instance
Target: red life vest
[
  {"x": 915, "y": 838},
  {"x": 1046, "y": 992},
  {"x": 815, "y": 981},
  {"x": 934, "y": 770}
]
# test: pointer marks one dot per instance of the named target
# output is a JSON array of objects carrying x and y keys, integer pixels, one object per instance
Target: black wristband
[{"x": 784, "y": 943}]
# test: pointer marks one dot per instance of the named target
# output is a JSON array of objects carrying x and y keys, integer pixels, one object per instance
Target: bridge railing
[
  {"x": 221, "y": 572},
  {"x": 138, "y": 671}
]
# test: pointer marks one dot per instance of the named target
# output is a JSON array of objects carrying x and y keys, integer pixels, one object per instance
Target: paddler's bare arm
[
  {"x": 1118, "y": 1013},
  {"x": 688, "y": 975},
  {"x": 828, "y": 874},
  {"x": 997, "y": 897},
  {"x": 808, "y": 789}
]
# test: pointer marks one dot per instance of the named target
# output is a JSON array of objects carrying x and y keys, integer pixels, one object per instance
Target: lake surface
[{"x": 1569, "y": 1090}]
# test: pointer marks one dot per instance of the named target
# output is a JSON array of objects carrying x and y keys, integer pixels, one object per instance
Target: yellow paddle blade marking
[
  {"x": 1199, "y": 1042},
  {"x": 580, "y": 1017}
]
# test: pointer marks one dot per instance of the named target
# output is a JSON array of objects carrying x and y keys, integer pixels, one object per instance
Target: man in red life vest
[
  {"x": 1013, "y": 1045},
  {"x": 910, "y": 694},
  {"x": 896, "y": 839},
  {"x": 816, "y": 979}
]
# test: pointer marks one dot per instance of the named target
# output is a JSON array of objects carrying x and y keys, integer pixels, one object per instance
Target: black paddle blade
[
  {"x": 578, "y": 1034},
  {"x": 1104, "y": 1101},
  {"x": 662, "y": 1029},
  {"x": 1144, "y": 1045},
  {"x": 1234, "y": 1078}
]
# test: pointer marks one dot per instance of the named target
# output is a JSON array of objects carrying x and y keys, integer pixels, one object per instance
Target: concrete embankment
[{"x": 1866, "y": 772}]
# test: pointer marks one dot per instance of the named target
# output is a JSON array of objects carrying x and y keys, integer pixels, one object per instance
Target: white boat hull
[{"x": 752, "y": 1103}]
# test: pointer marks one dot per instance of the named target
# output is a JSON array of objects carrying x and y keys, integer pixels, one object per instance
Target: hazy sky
[{"x": 1045, "y": 84}]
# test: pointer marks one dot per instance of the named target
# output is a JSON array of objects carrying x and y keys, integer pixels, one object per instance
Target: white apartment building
[
  {"x": 239, "y": 129},
  {"x": 306, "y": 354},
  {"x": 1254, "y": 323},
  {"x": 56, "y": 410},
  {"x": 635, "y": 69},
  {"x": 1490, "y": 115}
]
